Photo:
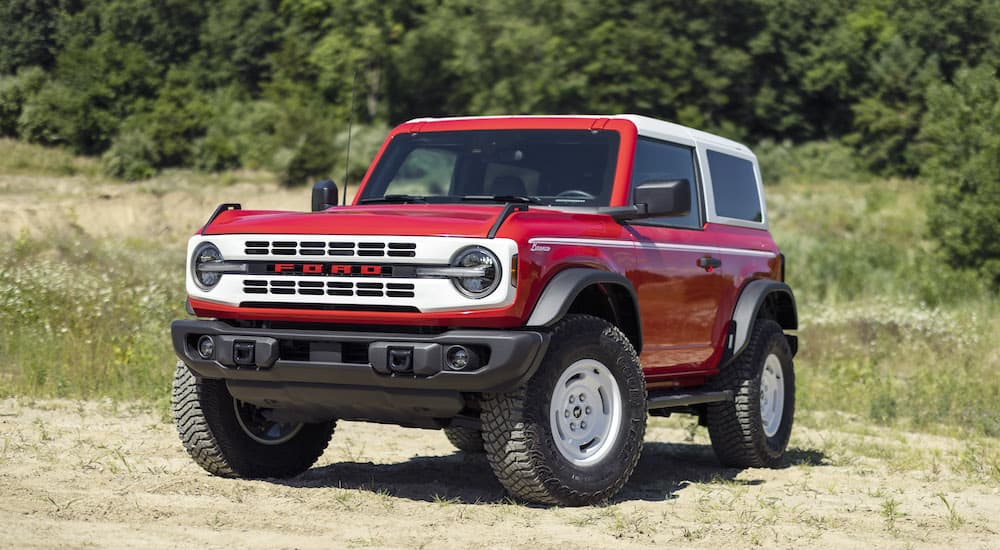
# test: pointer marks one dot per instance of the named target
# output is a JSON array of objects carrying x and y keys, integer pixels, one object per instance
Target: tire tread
[
  {"x": 734, "y": 427},
  {"x": 511, "y": 432},
  {"x": 200, "y": 408},
  {"x": 465, "y": 439}
]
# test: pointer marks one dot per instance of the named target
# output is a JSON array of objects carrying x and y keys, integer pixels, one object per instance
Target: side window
[
  {"x": 734, "y": 187},
  {"x": 423, "y": 172},
  {"x": 658, "y": 161}
]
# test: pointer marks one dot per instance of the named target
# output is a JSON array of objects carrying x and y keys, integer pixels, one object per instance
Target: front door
[{"x": 679, "y": 289}]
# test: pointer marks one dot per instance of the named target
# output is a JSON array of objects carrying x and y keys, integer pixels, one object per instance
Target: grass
[
  {"x": 86, "y": 318},
  {"x": 21, "y": 158},
  {"x": 891, "y": 513},
  {"x": 888, "y": 331},
  {"x": 955, "y": 520}
]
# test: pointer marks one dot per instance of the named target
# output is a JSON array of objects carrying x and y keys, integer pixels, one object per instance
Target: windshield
[{"x": 554, "y": 167}]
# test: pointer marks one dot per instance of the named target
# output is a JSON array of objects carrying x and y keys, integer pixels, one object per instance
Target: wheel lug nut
[
  {"x": 572, "y": 426},
  {"x": 566, "y": 413},
  {"x": 582, "y": 398},
  {"x": 587, "y": 410},
  {"x": 583, "y": 425},
  {"x": 572, "y": 399}
]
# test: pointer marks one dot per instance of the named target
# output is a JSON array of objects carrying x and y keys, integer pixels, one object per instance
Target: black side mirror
[
  {"x": 324, "y": 195},
  {"x": 664, "y": 198}
]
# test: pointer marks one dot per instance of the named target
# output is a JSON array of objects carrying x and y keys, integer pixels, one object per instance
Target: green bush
[
  {"x": 133, "y": 156},
  {"x": 254, "y": 126},
  {"x": 178, "y": 118},
  {"x": 961, "y": 148},
  {"x": 14, "y": 91},
  {"x": 216, "y": 151},
  {"x": 310, "y": 158},
  {"x": 49, "y": 117},
  {"x": 240, "y": 132}
]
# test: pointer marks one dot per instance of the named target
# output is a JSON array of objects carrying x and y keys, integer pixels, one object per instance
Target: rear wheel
[
  {"x": 573, "y": 434},
  {"x": 465, "y": 439},
  {"x": 753, "y": 430},
  {"x": 230, "y": 438}
]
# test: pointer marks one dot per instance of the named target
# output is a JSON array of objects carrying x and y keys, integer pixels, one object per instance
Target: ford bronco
[{"x": 534, "y": 286}]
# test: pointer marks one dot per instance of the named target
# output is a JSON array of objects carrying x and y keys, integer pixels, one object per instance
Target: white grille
[
  {"x": 367, "y": 289},
  {"x": 331, "y": 248}
]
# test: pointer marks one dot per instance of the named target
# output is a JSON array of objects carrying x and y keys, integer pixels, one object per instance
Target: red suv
[{"x": 535, "y": 286}]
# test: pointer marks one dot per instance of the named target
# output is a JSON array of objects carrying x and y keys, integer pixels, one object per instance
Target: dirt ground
[{"x": 99, "y": 474}]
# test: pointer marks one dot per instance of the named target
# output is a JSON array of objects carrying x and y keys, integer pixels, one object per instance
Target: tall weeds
[
  {"x": 889, "y": 329},
  {"x": 85, "y": 318}
]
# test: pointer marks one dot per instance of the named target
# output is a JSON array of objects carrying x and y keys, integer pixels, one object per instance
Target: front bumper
[{"x": 355, "y": 374}]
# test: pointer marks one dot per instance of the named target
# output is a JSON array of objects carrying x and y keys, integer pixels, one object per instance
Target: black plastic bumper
[{"x": 353, "y": 374}]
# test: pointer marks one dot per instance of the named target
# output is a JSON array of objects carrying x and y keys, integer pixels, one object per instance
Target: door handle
[{"x": 709, "y": 263}]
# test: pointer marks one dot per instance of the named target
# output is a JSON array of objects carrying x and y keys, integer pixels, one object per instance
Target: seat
[{"x": 508, "y": 185}]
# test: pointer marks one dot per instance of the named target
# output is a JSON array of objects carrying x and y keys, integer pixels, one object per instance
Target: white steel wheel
[
  {"x": 585, "y": 412},
  {"x": 772, "y": 395}
]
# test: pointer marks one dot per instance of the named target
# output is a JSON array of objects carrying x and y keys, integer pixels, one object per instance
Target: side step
[{"x": 671, "y": 400}]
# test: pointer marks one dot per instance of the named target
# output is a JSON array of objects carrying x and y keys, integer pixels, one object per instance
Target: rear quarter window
[{"x": 734, "y": 187}]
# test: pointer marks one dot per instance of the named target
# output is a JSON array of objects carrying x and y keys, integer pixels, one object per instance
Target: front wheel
[
  {"x": 230, "y": 438},
  {"x": 753, "y": 430},
  {"x": 573, "y": 434}
]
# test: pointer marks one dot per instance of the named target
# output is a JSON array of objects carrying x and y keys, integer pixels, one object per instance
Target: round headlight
[
  {"x": 486, "y": 262},
  {"x": 206, "y": 253}
]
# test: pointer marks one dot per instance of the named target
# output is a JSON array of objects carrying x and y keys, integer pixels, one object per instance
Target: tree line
[{"x": 151, "y": 84}]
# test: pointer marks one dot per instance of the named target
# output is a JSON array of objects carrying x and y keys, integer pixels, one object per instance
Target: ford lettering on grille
[{"x": 351, "y": 270}]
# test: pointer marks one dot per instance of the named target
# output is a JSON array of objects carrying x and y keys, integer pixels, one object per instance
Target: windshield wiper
[
  {"x": 394, "y": 198},
  {"x": 501, "y": 198}
]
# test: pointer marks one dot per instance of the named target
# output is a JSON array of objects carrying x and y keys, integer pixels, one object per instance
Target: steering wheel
[{"x": 575, "y": 194}]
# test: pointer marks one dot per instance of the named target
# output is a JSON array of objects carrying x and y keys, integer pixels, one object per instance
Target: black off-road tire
[
  {"x": 736, "y": 428},
  {"x": 518, "y": 433},
  {"x": 207, "y": 423},
  {"x": 465, "y": 439}
]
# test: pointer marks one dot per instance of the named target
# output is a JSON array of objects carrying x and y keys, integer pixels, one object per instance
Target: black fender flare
[
  {"x": 752, "y": 298},
  {"x": 563, "y": 289}
]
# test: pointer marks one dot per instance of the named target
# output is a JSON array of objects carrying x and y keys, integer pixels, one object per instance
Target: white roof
[
  {"x": 647, "y": 126},
  {"x": 652, "y": 127}
]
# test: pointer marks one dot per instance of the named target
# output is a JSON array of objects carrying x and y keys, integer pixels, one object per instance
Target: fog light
[
  {"x": 457, "y": 358},
  {"x": 206, "y": 347}
]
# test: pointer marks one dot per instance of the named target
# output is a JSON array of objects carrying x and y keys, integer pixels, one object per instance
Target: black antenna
[{"x": 350, "y": 124}]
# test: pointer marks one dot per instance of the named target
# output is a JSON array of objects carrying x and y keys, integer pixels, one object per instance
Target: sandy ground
[{"x": 98, "y": 474}]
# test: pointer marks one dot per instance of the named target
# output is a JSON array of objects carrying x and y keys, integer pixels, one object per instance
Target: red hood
[{"x": 395, "y": 219}]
